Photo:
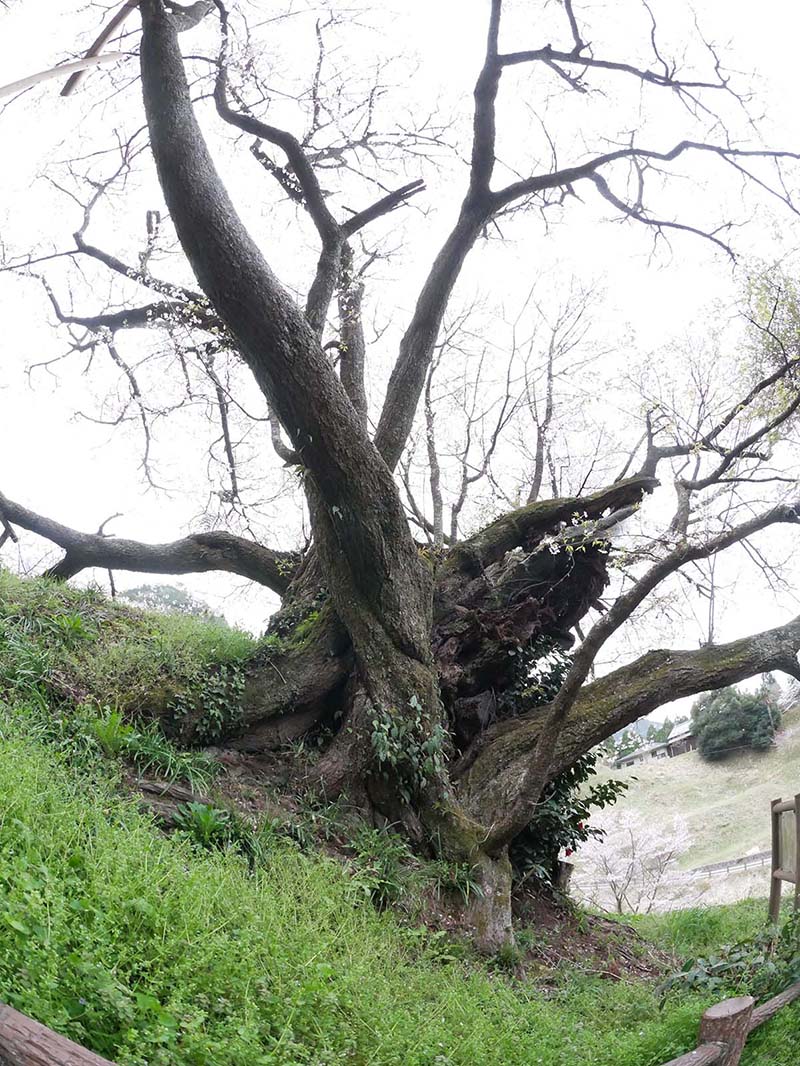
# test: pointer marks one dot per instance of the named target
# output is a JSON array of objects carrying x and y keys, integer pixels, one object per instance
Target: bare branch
[
  {"x": 352, "y": 347},
  {"x": 521, "y": 811},
  {"x": 382, "y": 207},
  {"x": 195, "y": 554},
  {"x": 433, "y": 464}
]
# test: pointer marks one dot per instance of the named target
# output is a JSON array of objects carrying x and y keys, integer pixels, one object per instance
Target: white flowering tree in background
[{"x": 634, "y": 867}]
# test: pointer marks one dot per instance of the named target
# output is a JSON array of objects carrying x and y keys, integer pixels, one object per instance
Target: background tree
[
  {"x": 633, "y": 866},
  {"x": 406, "y": 655},
  {"x": 729, "y": 720},
  {"x": 170, "y": 599}
]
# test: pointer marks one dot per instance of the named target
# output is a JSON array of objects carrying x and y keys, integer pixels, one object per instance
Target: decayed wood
[
  {"x": 772, "y": 1006},
  {"x": 24, "y": 1042},
  {"x": 728, "y": 1024},
  {"x": 163, "y": 798}
]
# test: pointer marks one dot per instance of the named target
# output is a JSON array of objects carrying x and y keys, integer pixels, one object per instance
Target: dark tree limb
[
  {"x": 195, "y": 554},
  {"x": 387, "y": 203},
  {"x": 300, "y": 182},
  {"x": 363, "y": 514},
  {"x": 352, "y": 347},
  {"x": 568, "y": 176}
]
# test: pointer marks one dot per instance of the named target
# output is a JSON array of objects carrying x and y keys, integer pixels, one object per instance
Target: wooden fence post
[
  {"x": 728, "y": 1024},
  {"x": 24, "y": 1042},
  {"x": 797, "y": 852},
  {"x": 775, "y": 884}
]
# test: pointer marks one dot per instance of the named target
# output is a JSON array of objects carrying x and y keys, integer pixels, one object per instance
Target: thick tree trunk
[
  {"x": 489, "y": 913},
  {"x": 378, "y": 586}
]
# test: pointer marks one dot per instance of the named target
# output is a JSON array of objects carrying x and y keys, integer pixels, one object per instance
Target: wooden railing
[
  {"x": 24, "y": 1042},
  {"x": 780, "y": 859},
  {"x": 724, "y": 1028}
]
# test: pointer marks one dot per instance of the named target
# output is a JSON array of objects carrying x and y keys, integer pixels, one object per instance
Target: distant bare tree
[{"x": 633, "y": 864}]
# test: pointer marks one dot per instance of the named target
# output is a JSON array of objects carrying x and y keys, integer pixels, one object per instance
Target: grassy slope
[
  {"x": 725, "y": 804},
  {"x": 86, "y": 647},
  {"x": 152, "y": 952}
]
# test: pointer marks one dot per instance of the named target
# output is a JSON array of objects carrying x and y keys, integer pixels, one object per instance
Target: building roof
[
  {"x": 651, "y": 747},
  {"x": 640, "y": 753},
  {"x": 681, "y": 732}
]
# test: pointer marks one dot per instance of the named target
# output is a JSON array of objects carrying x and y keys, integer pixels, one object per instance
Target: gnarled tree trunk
[{"x": 414, "y": 659}]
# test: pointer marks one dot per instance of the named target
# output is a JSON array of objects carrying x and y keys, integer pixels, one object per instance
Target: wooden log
[
  {"x": 797, "y": 852},
  {"x": 24, "y": 1042},
  {"x": 728, "y": 1024},
  {"x": 701, "y": 1056},
  {"x": 772, "y": 1006}
]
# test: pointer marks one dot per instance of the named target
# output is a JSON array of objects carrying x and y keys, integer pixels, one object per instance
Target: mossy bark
[{"x": 489, "y": 773}]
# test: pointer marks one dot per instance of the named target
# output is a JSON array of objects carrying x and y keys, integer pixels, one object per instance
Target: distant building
[
  {"x": 645, "y": 754},
  {"x": 681, "y": 740}
]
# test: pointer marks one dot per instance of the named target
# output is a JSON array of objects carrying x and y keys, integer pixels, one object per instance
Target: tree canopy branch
[
  {"x": 489, "y": 774},
  {"x": 195, "y": 554},
  {"x": 283, "y": 351}
]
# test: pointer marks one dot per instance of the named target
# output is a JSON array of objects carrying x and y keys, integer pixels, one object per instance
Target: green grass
[
  {"x": 149, "y": 951},
  {"x": 696, "y": 930},
  {"x": 85, "y": 648}
]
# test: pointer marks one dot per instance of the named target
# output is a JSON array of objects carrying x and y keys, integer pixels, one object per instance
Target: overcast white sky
[{"x": 81, "y": 473}]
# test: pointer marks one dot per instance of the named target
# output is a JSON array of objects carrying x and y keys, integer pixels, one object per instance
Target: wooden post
[
  {"x": 24, "y": 1042},
  {"x": 797, "y": 852},
  {"x": 727, "y": 1024},
  {"x": 563, "y": 875},
  {"x": 775, "y": 884}
]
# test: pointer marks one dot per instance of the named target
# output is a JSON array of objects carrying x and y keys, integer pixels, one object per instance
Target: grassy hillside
[
  {"x": 152, "y": 949},
  {"x": 725, "y": 804},
  {"x": 151, "y": 952}
]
